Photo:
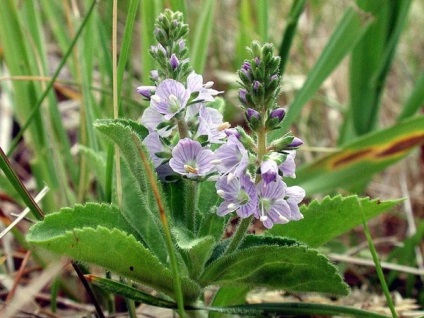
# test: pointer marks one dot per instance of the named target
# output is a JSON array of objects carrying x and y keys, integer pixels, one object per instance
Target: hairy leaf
[
  {"x": 331, "y": 217},
  {"x": 294, "y": 268},
  {"x": 113, "y": 250}
]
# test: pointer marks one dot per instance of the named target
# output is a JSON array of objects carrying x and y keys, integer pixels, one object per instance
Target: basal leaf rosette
[{"x": 104, "y": 238}]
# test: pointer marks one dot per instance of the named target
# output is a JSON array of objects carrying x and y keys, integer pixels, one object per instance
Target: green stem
[
  {"x": 238, "y": 235},
  {"x": 378, "y": 268},
  {"x": 191, "y": 200}
]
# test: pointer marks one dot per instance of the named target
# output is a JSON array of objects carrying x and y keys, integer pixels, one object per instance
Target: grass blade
[
  {"x": 202, "y": 34},
  {"x": 415, "y": 100},
  {"x": 293, "y": 18},
  {"x": 347, "y": 33},
  {"x": 262, "y": 7}
]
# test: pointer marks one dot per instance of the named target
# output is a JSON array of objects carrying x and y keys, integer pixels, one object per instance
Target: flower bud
[
  {"x": 296, "y": 143},
  {"x": 242, "y": 96},
  {"x": 146, "y": 91},
  {"x": 278, "y": 113},
  {"x": 174, "y": 62}
]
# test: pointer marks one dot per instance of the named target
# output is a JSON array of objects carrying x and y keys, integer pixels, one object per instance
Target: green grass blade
[
  {"x": 415, "y": 100},
  {"x": 148, "y": 11},
  {"x": 292, "y": 20},
  {"x": 246, "y": 30},
  {"x": 179, "y": 5},
  {"x": 347, "y": 33},
  {"x": 355, "y": 163},
  {"x": 377, "y": 48},
  {"x": 262, "y": 7},
  {"x": 126, "y": 42},
  {"x": 35, "y": 110},
  {"x": 19, "y": 187},
  {"x": 202, "y": 34}
]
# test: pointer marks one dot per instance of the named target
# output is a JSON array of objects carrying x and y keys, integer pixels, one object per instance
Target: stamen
[
  {"x": 216, "y": 161},
  {"x": 191, "y": 169},
  {"x": 231, "y": 206},
  {"x": 223, "y": 126},
  {"x": 220, "y": 192}
]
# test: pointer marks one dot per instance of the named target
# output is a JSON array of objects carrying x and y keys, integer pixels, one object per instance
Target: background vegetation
[{"x": 353, "y": 80}]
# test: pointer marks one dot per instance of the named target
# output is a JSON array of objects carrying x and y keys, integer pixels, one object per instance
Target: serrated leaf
[
  {"x": 80, "y": 216},
  {"x": 261, "y": 240},
  {"x": 134, "y": 210},
  {"x": 331, "y": 217},
  {"x": 212, "y": 224},
  {"x": 195, "y": 251},
  {"x": 126, "y": 134},
  {"x": 294, "y": 268},
  {"x": 116, "y": 251}
]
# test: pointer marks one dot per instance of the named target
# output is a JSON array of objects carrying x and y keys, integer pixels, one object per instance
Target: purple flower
[
  {"x": 232, "y": 132},
  {"x": 195, "y": 84},
  {"x": 191, "y": 160},
  {"x": 211, "y": 124},
  {"x": 272, "y": 207},
  {"x": 151, "y": 119},
  {"x": 269, "y": 171},
  {"x": 294, "y": 195},
  {"x": 239, "y": 195},
  {"x": 155, "y": 146},
  {"x": 171, "y": 97},
  {"x": 232, "y": 157},
  {"x": 288, "y": 167},
  {"x": 146, "y": 91},
  {"x": 278, "y": 113},
  {"x": 174, "y": 62}
]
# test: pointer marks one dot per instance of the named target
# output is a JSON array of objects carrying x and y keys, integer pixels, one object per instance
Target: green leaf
[
  {"x": 294, "y": 310},
  {"x": 331, "y": 217},
  {"x": 80, "y": 216},
  {"x": 212, "y": 224},
  {"x": 195, "y": 251},
  {"x": 113, "y": 250},
  {"x": 228, "y": 296},
  {"x": 144, "y": 214},
  {"x": 294, "y": 268}
]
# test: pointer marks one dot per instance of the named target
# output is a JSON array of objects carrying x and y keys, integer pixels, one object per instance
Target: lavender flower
[
  {"x": 269, "y": 171},
  {"x": 272, "y": 207},
  {"x": 232, "y": 157},
  {"x": 191, "y": 160},
  {"x": 155, "y": 147},
  {"x": 171, "y": 97},
  {"x": 211, "y": 124},
  {"x": 151, "y": 119},
  {"x": 195, "y": 84},
  {"x": 239, "y": 195},
  {"x": 295, "y": 195},
  {"x": 288, "y": 167}
]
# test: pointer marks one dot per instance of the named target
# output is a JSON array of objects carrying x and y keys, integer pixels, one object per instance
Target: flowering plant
[{"x": 185, "y": 176}]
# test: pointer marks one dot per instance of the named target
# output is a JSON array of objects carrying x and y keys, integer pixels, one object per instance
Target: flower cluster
[{"x": 189, "y": 139}]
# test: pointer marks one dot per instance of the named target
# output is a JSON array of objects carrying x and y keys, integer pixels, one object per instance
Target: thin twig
[{"x": 368, "y": 262}]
